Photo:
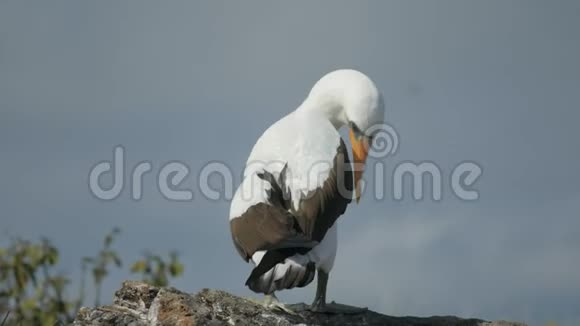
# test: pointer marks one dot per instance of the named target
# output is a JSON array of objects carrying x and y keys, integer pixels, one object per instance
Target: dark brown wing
[
  {"x": 320, "y": 209},
  {"x": 277, "y": 226},
  {"x": 266, "y": 227}
]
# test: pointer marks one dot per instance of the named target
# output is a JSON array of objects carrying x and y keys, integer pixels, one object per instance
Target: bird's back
[
  {"x": 304, "y": 141},
  {"x": 301, "y": 154}
]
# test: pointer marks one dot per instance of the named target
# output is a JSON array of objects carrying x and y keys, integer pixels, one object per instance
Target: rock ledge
[{"x": 138, "y": 304}]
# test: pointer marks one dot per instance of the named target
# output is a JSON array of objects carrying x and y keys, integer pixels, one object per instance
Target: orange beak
[{"x": 360, "y": 149}]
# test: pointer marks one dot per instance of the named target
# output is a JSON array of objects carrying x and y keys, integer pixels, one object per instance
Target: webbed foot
[{"x": 271, "y": 302}]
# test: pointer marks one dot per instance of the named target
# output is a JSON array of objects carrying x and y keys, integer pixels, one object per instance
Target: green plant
[
  {"x": 31, "y": 293},
  {"x": 155, "y": 270},
  {"x": 100, "y": 264}
]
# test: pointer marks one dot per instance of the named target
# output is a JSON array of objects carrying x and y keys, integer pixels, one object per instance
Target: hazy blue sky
[{"x": 495, "y": 82}]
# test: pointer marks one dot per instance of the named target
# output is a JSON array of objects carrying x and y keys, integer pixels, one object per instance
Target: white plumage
[
  {"x": 299, "y": 153},
  {"x": 308, "y": 157}
]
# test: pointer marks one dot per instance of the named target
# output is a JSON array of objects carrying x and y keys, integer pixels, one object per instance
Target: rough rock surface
[{"x": 138, "y": 303}]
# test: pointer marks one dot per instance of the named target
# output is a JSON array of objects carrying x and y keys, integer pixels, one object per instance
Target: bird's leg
[
  {"x": 271, "y": 302},
  {"x": 320, "y": 297},
  {"x": 319, "y": 304}
]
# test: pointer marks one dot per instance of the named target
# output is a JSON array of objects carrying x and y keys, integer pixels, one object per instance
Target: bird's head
[{"x": 350, "y": 98}]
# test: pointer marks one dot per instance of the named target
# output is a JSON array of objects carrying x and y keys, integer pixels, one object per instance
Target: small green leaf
[
  {"x": 31, "y": 271},
  {"x": 138, "y": 266},
  {"x": 52, "y": 256},
  {"x": 108, "y": 240},
  {"x": 176, "y": 269},
  {"x": 28, "y": 304}
]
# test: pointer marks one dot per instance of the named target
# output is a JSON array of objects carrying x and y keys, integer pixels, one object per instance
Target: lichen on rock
[{"x": 141, "y": 304}]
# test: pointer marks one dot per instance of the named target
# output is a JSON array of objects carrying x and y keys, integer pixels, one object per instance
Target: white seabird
[{"x": 298, "y": 180}]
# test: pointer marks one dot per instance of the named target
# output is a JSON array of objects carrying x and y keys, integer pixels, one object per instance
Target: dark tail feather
[
  {"x": 310, "y": 271},
  {"x": 271, "y": 259}
]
